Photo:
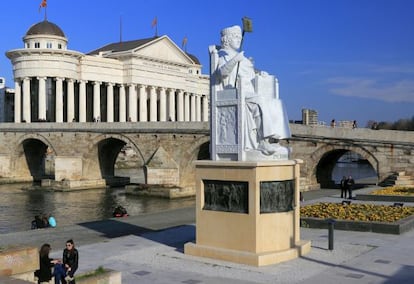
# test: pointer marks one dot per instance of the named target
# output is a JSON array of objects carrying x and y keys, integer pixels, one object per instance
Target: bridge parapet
[{"x": 356, "y": 134}]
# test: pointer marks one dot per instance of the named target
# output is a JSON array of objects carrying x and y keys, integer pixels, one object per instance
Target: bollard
[{"x": 331, "y": 223}]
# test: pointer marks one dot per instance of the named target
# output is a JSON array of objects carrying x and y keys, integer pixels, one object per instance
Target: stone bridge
[
  {"x": 84, "y": 154},
  {"x": 320, "y": 147}
]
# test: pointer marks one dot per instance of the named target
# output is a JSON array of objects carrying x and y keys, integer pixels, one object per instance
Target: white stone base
[{"x": 243, "y": 257}]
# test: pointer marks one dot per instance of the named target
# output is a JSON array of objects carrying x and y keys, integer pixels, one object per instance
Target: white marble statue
[{"x": 265, "y": 119}]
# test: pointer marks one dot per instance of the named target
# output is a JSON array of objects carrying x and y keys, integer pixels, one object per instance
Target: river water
[
  {"x": 361, "y": 172},
  {"x": 18, "y": 207}
]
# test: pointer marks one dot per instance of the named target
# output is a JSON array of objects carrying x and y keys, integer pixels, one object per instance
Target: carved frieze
[
  {"x": 277, "y": 196},
  {"x": 227, "y": 196}
]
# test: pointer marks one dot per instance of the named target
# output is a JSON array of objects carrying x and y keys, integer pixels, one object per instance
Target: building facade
[
  {"x": 141, "y": 80},
  {"x": 6, "y": 102}
]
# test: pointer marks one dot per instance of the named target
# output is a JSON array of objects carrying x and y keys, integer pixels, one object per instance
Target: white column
[
  {"x": 171, "y": 104},
  {"x": 110, "y": 102},
  {"x": 186, "y": 106},
  {"x": 193, "y": 110},
  {"x": 97, "y": 100},
  {"x": 205, "y": 108},
  {"x": 122, "y": 104},
  {"x": 198, "y": 107},
  {"x": 132, "y": 103},
  {"x": 180, "y": 106},
  {"x": 17, "y": 101},
  {"x": 82, "y": 101},
  {"x": 163, "y": 105},
  {"x": 26, "y": 99},
  {"x": 42, "y": 98},
  {"x": 70, "y": 115},
  {"x": 143, "y": 112},
  {"x": 153, "y": 104},
  {"x": 59, "y": 100}
]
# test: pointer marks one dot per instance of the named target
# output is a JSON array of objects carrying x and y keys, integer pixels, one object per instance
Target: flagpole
[
  {"x": 120, "y": 28},
  {"x": 238, "y": 63},
  {"x": 247, "y": 27}
]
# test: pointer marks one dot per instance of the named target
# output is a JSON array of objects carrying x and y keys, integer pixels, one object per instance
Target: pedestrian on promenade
[
  {"x": 333, "y": 123},
  {"x": 343, "y": 187},
  {"x": 65, "y": 273},
  {"x": 350, "y": 185},
  {"x": 44, "y": 273},
  {"x": 354, "y": 124}
]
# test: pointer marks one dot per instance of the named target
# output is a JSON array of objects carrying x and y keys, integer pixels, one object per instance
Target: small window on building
[
  {"x": 37, "y": 44},
  {"x": 49, "y": 45},
  {"x": 190, "y": 71},
  {"x": 59, "y": 45},
  {"x": 27, "y": 45}
]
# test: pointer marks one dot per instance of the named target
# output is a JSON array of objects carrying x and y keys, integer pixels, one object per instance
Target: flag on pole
[
  {"x": 43, "y": 5},
  {"x": 184, "y": 43},
  {"x": 154, "y": 22},
  {"x": 247, "y": 25}
]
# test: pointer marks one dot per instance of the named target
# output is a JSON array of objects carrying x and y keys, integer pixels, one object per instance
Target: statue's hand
[{"x": 239, "y": 56}]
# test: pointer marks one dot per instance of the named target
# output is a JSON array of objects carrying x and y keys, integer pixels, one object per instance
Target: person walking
[
  {"x": 350, "y": 186},
  {"x": 343, "y": 187}
]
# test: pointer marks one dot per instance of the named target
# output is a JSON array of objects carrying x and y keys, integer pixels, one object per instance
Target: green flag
[{"x": 247, "y": 25}]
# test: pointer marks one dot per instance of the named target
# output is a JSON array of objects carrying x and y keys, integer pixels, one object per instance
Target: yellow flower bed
[
  {"x": 356, "y": 212},
  {"x": 394, "y": 190}
]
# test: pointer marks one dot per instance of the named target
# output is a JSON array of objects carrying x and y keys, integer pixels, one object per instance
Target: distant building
[
  {"x": 2, "y": 97},
  {"x": 309, "y": 117},
  {"x": 149, "y": 79},
  {"x": 6, "y": 102}
]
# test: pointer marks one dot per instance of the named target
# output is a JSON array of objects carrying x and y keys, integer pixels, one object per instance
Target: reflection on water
[
  {"x": 18, "y": 207},
  {"x": 359, "y": 171}
]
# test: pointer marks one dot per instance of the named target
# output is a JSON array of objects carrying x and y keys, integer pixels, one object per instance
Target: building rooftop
[
  {"x": 132, "y": 44},
  {"x": 45, "y": 28}
]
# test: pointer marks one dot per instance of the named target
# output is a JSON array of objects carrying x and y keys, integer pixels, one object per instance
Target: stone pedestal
[{"x": 248, "y": 212}]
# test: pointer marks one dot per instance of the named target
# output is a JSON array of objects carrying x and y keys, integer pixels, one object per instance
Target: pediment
[{"x": 163, "y": 49}]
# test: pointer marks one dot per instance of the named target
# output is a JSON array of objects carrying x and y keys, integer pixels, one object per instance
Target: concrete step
[{"x": 404, "y": 182}]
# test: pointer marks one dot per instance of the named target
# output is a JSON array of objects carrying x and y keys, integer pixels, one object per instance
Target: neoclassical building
[{"x": 148, "y": 79}]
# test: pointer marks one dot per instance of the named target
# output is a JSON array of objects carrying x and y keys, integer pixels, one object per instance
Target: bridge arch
[
  {"x": 31, "y": 156},
  {"x": 325, "y": 158},
  {"x": 107, "y": 148}
]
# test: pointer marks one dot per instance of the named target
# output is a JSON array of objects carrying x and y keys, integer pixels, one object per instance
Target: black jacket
[
  {"x": 44, "y": 273},
  {"x": 71, "y": 258}
]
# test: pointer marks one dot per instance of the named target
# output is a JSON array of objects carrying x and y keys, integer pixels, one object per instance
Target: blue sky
[{"x": 347, "y": 59}]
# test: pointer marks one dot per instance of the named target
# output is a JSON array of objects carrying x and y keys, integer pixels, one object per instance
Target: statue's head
[{"x": 229, "y": 34}]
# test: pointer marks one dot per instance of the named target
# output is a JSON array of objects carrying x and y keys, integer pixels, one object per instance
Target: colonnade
[{"x": 67, "y": 100}]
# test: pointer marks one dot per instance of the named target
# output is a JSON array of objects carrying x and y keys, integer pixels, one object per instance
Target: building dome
[{"x": 45, "y": 28}]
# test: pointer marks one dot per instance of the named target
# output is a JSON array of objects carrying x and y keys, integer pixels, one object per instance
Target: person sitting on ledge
[{"x": 120, "y": 212}]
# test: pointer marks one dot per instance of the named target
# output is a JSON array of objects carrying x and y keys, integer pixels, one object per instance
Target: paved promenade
[{"x": 149, "y": 249}]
